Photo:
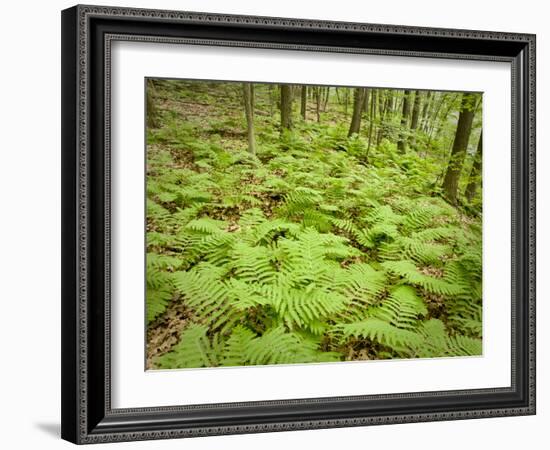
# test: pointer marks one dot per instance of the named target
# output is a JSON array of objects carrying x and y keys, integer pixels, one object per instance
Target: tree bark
[
  {"x": 303, "y": 104},
  {"x": 346, "y": 101},
  {"x": 248, "y": 91},
  {"x": 475, "y": 173},
  {"x": 416, "y": 110},
  {"x": 318, "y": 103},
  {"x": 286, "y": 107},
  {"x": 402, "y": 145},
  {"x": 358, "y": 99},
  {"x": 325, "y": 103},
  {"x": 425, "y": 110},
  {"x": 458, "y": 152},
  {"x": 415, "y": 116},
  {"x": 433, "y": 116},
  {"x": 373, "y": 95},
  {"x": 382, "y": 118},
  {"x": 151, "y": 112}
]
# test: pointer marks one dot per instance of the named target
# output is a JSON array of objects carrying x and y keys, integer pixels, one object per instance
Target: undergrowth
[{"x": 304, "y": 252}]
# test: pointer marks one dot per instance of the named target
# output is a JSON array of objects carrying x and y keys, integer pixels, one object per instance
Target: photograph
[
  {"x": 276, "y": 220},
  {"x": 294, "y": 224}
]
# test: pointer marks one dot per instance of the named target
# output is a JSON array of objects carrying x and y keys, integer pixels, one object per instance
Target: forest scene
[{"x": 292, "y": 224}]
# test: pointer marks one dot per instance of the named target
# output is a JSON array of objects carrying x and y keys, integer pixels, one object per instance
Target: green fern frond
[
  {"x": 207, "y": 296},
  {"x": 300, "y": 307},
  {"x": 408, "y": 271},
  {"x": 192, "y": 350},
  {"x": 237, "y": 346},
  {"x": 435, "y": 234},
  {"x": 360, "y": 284},
  {"x": 424, "y": 253},
  {"x": 380, "y": 331},
  {"x": 266, "y": 231},
  {"x": 316, "y": 219},
  {"x": 464, "y": 346},
  {"x": 251, "y": 218},
  {"x": 253, "y": 264},
  {"x": 402, "y": 309},
  {"x": 277, "y": 346},
  {"x": 345, "y": 224},
  {"x": 156, "y": 302},
  {"x": 163, "y": 262},
  {"x": 206, "y": 225}
]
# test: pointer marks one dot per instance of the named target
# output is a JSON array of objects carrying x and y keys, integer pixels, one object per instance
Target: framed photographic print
[{"x": 279, "y": 224}]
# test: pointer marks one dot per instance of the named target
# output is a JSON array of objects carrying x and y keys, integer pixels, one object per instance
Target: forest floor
[{"x": 310, "y": 247}]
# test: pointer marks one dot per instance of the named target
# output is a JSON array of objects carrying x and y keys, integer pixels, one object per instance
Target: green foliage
[{"x": 309, "y": 250}]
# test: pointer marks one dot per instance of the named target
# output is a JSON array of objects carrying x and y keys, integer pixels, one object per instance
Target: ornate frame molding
[{"x": 84, "y": 421}]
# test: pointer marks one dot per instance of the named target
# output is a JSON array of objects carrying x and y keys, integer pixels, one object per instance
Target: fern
[
  {"x": 408, "y": 271},
  {"x": 319, "y": 247},
  {"x": 237, "y": 346},
  {"x": 159, "y": 287},
  {"x": 301, "y": 307},
  {"x": 193, "y": 350},
  {"x": 380, "y": 331},
  {"x": 402, "y": 309}
]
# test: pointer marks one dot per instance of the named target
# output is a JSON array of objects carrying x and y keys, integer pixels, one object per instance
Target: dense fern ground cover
[{"x": 309, "y": 250}]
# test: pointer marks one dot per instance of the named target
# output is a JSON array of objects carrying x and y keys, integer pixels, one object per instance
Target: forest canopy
[{"x": 296, "y": 224}]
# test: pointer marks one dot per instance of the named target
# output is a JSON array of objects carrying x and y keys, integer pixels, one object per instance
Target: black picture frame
[{"x": 87, "y": 416}]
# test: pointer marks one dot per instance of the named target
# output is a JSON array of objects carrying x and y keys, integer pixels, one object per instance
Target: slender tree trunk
[
  {"x": 151, "y": 112},
  {"x": 375, "y": 111},
  {"x": 475, "y": 173},
  {"x": 286, "y": 107},
  {"x": 425, "y": 110},
  {"x": 346, "y": 101},
  {"x": 460, "y": 145},
  {"x": 432, "y": 119},
  {"x": 271, "y": 99},
  {"x": 325, "y": 103},
  {"x": 365, "y": 105},
  {"x": 318, "y": 103},
  {"x": 383, "y": 114},
  {"x": 303, "y": 104},
  {"x": 393, "y": 102},
  {"x": 372, "y": 113},
  {"x": 248, "y": 91},
  {"x": 416, "y": 110},
  {"x": 415, "y": 116},
  {"x": 358, "y": 99},
  {"x": 402, "y": 146}
]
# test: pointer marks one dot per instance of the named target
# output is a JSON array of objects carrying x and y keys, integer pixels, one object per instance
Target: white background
[
  {"x": 132, "y": 387},
  {"x": 30, "y": 182}
]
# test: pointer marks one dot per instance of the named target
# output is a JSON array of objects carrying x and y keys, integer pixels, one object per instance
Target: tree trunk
[
  {"x": 346, "y": 101},
  {"x": 358, "y": 99},
  {"x": 318, "y": 103},
  {"x": 402, "y": 146},
  {"x": 425, "y": 110},
  {"x": 432, "y": 117},
  {"x": 248, "y": 91},
  {"x": 460, "y": 145},
  {"x": 416, "y": 110},
  {"x": 371, "y": 117},
  {"x": 151, "y": 109},
  {"x": 303, "y": 104},
  {"x": 325, "y": 103},
  {"x": 286, "y": 107},
  {"x": 415, "y": 116},
  {"x": 382, "y": 119},
  {"x": 475, "y": 173}
]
